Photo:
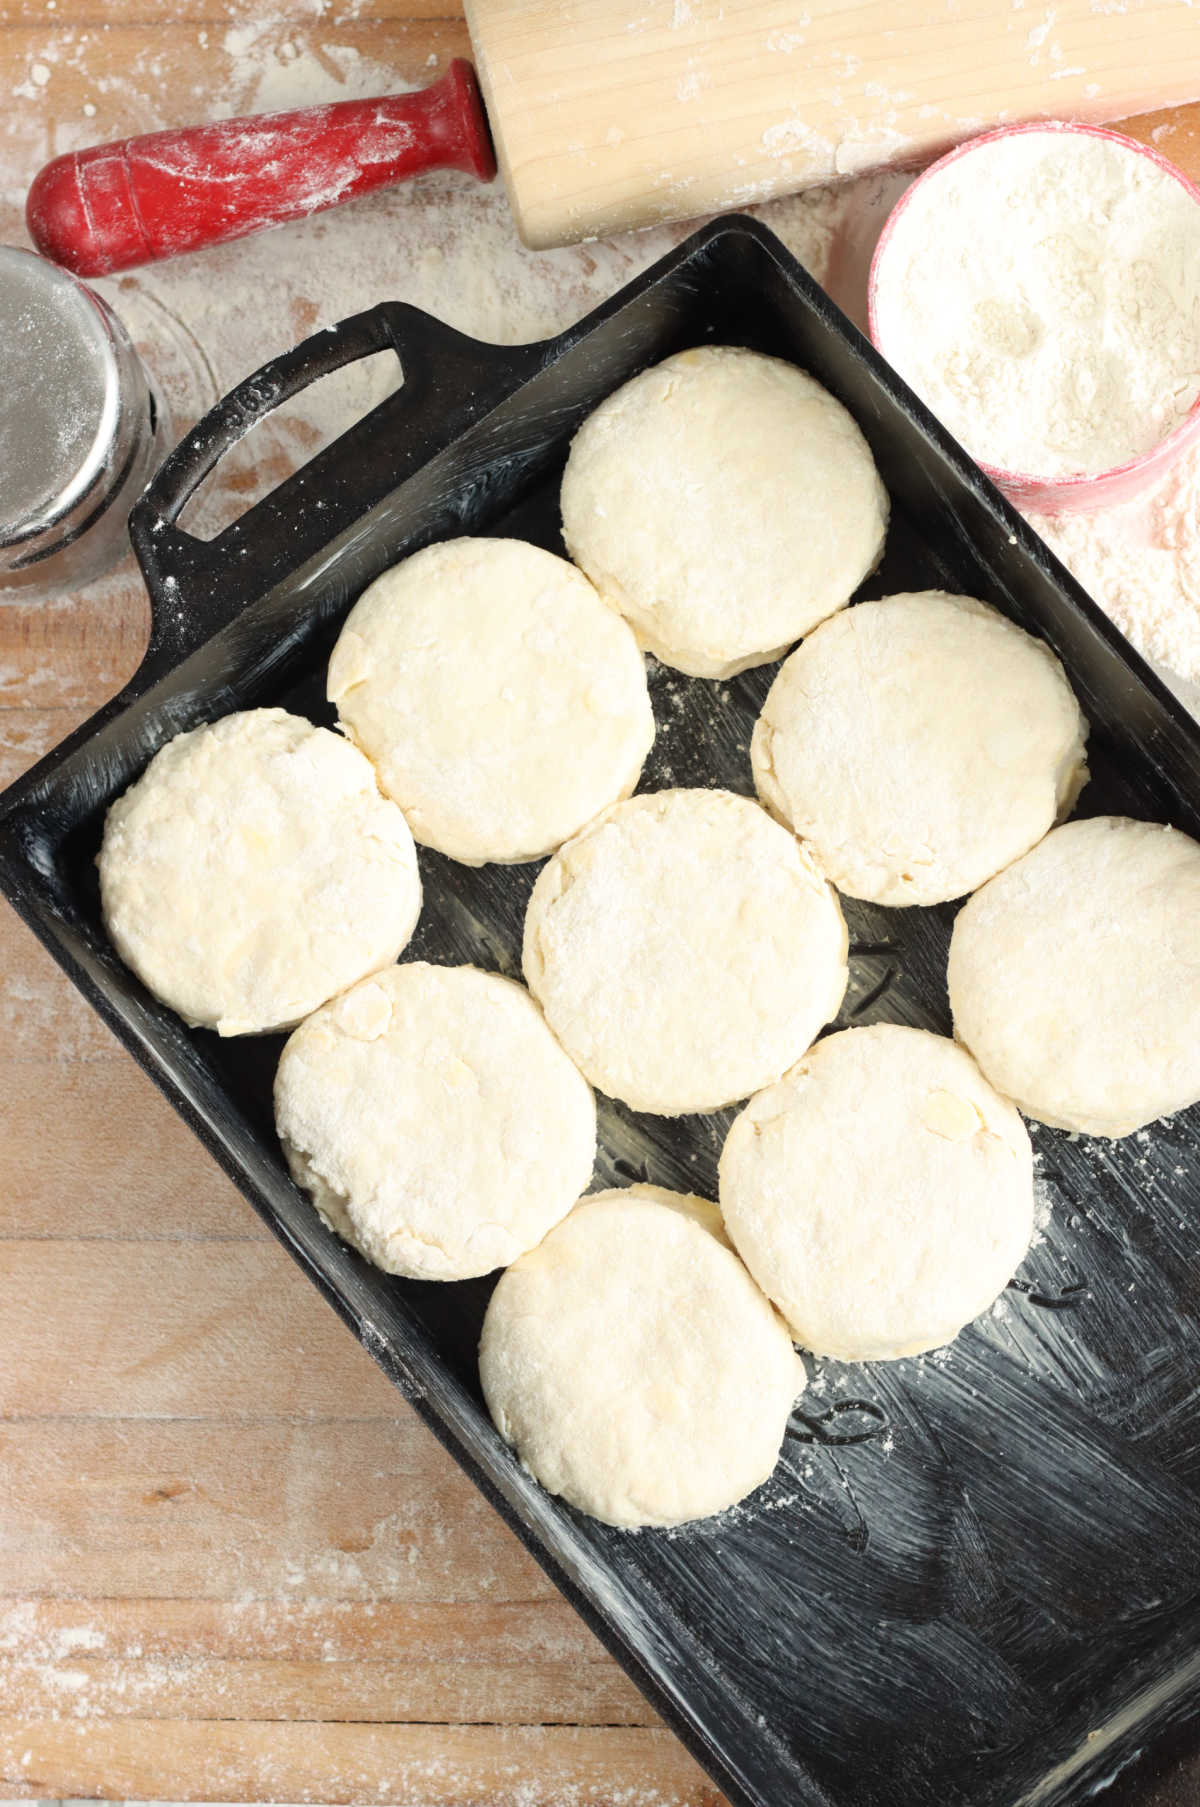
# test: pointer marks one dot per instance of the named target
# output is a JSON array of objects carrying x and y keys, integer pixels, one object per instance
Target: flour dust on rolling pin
[{"x": 607, "y": 116}]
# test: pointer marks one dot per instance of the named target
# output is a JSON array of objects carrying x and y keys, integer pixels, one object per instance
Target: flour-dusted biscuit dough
[
  {"x": 686, "y": 949},
  {"x": 881, "y": 1194},
  {"x": 254, "y": 871},
  {"x": 919, "y": 744},
  {"x": 1075, "y": 976},
  {"x": 725, "y": 503},
  {"x": 435, "y": 1121},
  {"x": 635, "y": 1366},
  {"x": 503, "y": 703}
]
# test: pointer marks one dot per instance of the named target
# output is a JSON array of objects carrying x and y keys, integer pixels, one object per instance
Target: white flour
[
  {"x": 1141, "y": 562},
  {"x": 1043, "y": 295}
]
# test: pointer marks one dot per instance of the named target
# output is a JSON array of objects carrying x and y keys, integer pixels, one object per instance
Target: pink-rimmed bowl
[{"x": 1079, "y": 492}]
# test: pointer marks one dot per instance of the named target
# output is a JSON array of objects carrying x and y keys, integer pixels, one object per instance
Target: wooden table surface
[{"x": 233, "y": 1563}]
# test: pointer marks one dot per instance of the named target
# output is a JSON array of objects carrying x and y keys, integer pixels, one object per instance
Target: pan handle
[{"x": 197, "y": 586}]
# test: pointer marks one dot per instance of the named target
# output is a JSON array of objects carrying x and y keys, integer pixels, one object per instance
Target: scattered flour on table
[
  {"x": 1043, "y": 294},
  {"x": 1141, "y": 562},
  {"x": 273, "y": 72},
  {"x": 447, "y": 244},
  {"x": 443, "y": 242}
]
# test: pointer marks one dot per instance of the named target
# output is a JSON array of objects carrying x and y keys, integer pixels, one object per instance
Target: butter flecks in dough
[
  {"x": 1075, "y": 976},
  {"x": 435, "y": 1121},
  {"x": 635, "y": 1366},
  {"x": 254, "y": 871},
  {"x": 686, "y": 950},
  {"x": 919, "y": 743},
  {"x": 503, "y": 703},
  {"x": 725, "y": 503},
  {"x": 881, "y": 1194}
]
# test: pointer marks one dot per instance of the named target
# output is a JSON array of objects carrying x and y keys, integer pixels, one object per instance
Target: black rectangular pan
[{"x": 997, "y": 1600}]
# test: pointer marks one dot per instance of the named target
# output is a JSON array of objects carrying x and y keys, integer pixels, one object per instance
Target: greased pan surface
[{"x": 993, "y": 1600}]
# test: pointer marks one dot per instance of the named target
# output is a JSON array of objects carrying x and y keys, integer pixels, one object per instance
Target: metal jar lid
[{"x": 79, "y": 426}]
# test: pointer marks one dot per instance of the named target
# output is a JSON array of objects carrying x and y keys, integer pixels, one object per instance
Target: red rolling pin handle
[{"x": 129, "y": 203}]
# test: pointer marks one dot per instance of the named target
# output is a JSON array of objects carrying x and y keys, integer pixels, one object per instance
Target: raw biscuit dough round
[
  {"x": 503, "y": 703},
  {"x": 1075, "y": 976},
  {"x": 725, "y": 503},
  {"x": 635, "y": 1366},
  {"x": 685, "y": 949},
  {"x": 434, "y": 1120},
  {"x": 919, "y": 743},
  {"x": 881, "y": 1194},
  {"x": 254, "y": 871}
]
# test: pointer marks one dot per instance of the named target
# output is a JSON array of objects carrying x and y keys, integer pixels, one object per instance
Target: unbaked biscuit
[
  {"x": 504, "y": 705},
  {"x": 686, "y": 950},
  {"x": 635, "y": 1366},
  {"x": 919, "y": 744},
  {"x": 725, "y": 503},
  {"x": 434, "y": 1120},
  {"x": 254, "y": 871},
  {"x": 1075, "y": 976},
  {"x": 881, "y": 1194}
]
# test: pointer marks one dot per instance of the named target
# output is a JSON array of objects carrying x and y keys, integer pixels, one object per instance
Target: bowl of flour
[{"x": 1039, "y": 288}]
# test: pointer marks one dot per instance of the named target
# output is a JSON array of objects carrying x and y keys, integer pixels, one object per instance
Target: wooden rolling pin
[
  {"x": 613, "y": 114},
  {"x": 608, "y": 115}
]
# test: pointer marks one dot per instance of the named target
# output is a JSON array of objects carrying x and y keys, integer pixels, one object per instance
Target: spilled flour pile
[{"x": 1141, "y": 561}]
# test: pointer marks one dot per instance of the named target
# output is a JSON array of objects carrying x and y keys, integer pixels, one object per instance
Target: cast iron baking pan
[{"x": 975, "y": 1576}]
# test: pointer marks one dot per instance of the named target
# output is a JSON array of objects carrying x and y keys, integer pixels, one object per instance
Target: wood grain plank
[
  {"x": 532, "y": 1693},
  {"x": 418, "y": 15},
  {"x": 74, "y": 651},
  {"x": 254, "y": 1628},
  {"x": 1175, "y": 132},
  {"x": 25, "y": 734},
  {"x": 94, "y": 1149},
  {"x": 42, "y": 1016},
  {"x": 168, "y": 1329},
  {"x": 291, "y": 1513},
  {"x": 523, "y": 1662},
  {"x": 412, "y": 1766},
  {"x": 384, "y": 1693}
]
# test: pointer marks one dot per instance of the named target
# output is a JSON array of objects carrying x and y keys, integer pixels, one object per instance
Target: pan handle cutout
[{"x": 198, "y": 586}]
